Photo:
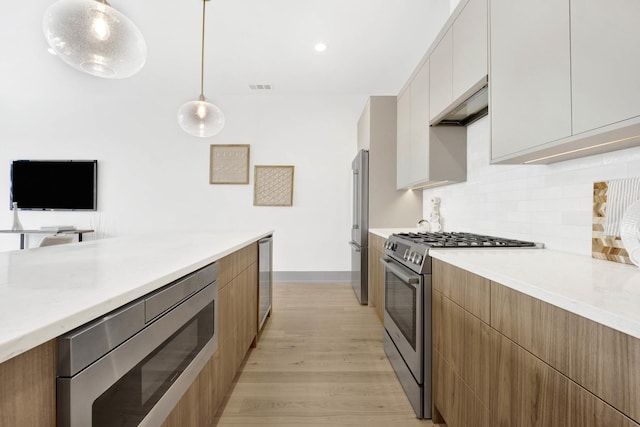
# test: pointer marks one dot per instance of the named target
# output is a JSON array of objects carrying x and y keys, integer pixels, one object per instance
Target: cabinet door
[
  {"x": 28, "y": 388},
  {"x": 605, "y": 64},
  {"x": 403, "y": 147},
  {"x": 441, "y": 76},
  {"x": 526, "y": 392},
  {"x": 419, "y": 124},
  {"x": 376, "y": 274},
  {"x": 530, "y": 92},
  {"x": 470, "y": 55},
  {"x": 461, "y": 352}
]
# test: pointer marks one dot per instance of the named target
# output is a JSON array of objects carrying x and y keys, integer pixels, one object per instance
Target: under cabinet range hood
[{"x": 471, "y": 108}]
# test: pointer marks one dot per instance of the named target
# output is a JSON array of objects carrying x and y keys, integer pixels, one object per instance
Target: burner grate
[{"x": 463, "y": 240}]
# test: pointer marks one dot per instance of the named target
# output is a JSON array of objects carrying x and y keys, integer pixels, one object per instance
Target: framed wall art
[
  {"x": 229, "y": 164},
  {"x": 273, "y": 186}
]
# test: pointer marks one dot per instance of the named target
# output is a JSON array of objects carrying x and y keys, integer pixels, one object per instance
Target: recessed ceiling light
[{"x": 320, "y": 47}]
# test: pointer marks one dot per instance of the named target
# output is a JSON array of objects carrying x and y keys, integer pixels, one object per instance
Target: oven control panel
[{"x": 412, "y": 256}]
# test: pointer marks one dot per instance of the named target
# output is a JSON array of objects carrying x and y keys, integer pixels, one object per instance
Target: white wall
[
  {"x": 152, "y": 177},
  {"x": 552, "y": 204}
]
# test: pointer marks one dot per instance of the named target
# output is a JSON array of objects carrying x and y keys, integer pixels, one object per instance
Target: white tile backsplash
[{"x": 551, "y": 204}]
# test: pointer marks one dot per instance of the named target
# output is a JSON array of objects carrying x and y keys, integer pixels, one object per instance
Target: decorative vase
[
  {"x": 630, "y": 232},
  {"x": 17, "y": 226}
]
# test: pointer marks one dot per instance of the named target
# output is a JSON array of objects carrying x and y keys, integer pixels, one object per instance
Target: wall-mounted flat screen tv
[{"x": 54, "y": 184}]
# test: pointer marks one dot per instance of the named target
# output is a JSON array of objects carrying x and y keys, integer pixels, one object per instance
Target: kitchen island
[{"x": 46, "y": 292}]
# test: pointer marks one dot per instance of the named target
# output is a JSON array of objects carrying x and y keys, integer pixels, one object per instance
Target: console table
[{"x": 23, "y": 232}]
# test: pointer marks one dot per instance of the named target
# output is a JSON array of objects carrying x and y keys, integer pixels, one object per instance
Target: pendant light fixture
[
  {"x": 201, "y": 118},
  {"x": 93, "y": 37}
]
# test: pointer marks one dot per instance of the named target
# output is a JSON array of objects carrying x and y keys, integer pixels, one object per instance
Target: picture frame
[
  {"x": 229, "y": 164},
  {"x": 273, "y": 185}
]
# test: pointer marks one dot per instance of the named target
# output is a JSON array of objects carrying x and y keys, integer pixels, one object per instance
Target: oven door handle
[{"x": 406, "y": 278}]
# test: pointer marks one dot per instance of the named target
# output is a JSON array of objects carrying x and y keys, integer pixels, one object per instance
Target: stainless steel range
[{"x": 407, "y": 304}]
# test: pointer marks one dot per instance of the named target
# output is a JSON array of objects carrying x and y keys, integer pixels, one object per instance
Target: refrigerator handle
[{"x": 356, "y": 200}]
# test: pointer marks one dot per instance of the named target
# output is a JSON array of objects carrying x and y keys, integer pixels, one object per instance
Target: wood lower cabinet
[
  {"x": 461, "y": 348},
  {"x": 527, "y": 392},
  {"x": 603, "y": 361},
  {"x": 237, "y": 320},
  {"x": 529, "y": 364},
  {"x": 28, "y": 388},
  {"x": 376, "y": 274},
  {"x": 468, "y": 290}
]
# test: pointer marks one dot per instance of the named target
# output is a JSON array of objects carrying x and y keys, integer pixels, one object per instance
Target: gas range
[{"x": 412, "y": 249}]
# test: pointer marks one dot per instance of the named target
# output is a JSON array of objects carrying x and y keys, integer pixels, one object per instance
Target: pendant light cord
[{"x": 204, "y": 3}]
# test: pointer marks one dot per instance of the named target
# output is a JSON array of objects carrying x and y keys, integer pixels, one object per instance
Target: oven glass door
[
  {"x": 403, "y": 297},
  {"x": 129, "y": 400}
]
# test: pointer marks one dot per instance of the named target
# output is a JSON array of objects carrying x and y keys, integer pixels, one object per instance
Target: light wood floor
[{"x": 319, "y": 362}]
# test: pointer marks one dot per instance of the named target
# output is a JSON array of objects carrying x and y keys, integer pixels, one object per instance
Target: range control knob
[
  {"x": 418, "y": 259},
  {"x": 406, "y": 255}
]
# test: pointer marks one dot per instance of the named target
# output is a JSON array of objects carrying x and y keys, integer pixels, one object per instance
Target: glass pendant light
[
  {"x": 201, "y": 118},
  {"x": 93, "y": 37}
]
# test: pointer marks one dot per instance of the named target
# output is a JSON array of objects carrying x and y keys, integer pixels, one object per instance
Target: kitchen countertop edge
[
  {"x": 602, "y": 291},
  {"x": 386, "y": 232},
  {"x": 26, "y": 271}
]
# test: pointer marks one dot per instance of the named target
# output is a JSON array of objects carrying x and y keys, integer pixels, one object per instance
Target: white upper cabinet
[
  {"x": 403, "y": 140},
  {"x": 441, "y": 76},
  {"x": 564, "y": 78},
  {"x": 530, "y": 71},
  {"x": 605, "y": 55},
  {"x": 426, "y": 156},
  {"x": 459, "y": 61},
  {"x": 420, "y": 125},
  {"x": 470, "y": 53}
]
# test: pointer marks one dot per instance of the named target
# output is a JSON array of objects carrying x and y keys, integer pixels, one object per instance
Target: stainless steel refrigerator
[{"x": 360, "y": 226}]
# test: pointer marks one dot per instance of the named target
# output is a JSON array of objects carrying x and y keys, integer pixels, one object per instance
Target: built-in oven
[
  {"x": 407, "y": 331},
  {"x": 131, "y": 367}
]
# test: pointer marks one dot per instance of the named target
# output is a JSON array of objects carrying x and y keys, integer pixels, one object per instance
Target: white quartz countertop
[
  {"x": 46, "y": 292},
  {"x": 603, "y": 291},
  {"x": 386, "y": 232}
]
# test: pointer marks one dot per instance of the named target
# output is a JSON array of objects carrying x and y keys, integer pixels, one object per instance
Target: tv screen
[{"x": 54, "y": 184}]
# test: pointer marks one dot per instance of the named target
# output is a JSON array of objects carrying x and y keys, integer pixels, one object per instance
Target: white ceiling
[{"x": 373, "y": 45}]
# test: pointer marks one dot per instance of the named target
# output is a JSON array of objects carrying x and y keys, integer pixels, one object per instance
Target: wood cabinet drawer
[
  {"x": 463, "y": 341},
  {"x": 376, "y": 274},
  {"x": 233, "y": 264},
  {"x": 454, "y": 400},
  {"x": 604, "y": 361},
  {"x": 526, "y": 392},
  {"x": 466, "y": 289}
]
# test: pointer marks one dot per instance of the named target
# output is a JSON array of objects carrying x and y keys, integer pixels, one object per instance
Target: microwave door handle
[{"x": 406, "y": 278}]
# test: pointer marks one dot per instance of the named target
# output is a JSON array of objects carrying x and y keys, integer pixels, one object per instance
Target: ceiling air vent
[{"x": 260, "y": 87}]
